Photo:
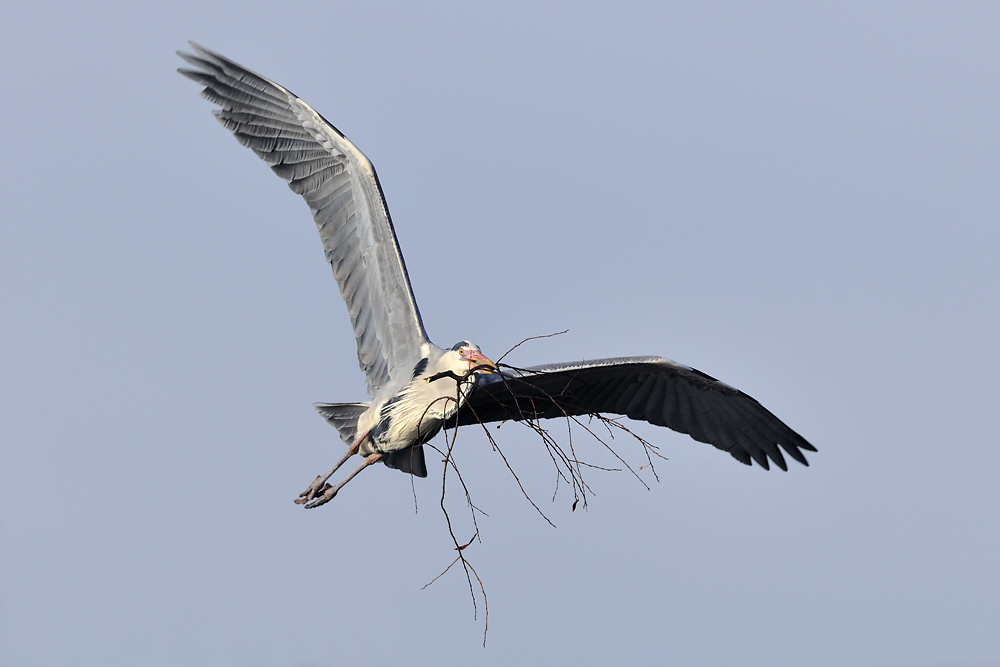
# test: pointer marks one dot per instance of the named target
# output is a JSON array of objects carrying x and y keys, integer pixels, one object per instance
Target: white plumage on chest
[{"x": 415, "y": 414}]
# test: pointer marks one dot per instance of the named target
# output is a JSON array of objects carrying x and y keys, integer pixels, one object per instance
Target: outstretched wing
[
  {"x": 653, "y": 389},
  {"x": 342, "y": 190}
]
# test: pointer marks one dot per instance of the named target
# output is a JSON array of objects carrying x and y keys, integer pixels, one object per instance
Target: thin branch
[
  {"x": 568, "y": 465},
  {"x": 449, "y": 462},
  {"x": 551, "y": 335}
]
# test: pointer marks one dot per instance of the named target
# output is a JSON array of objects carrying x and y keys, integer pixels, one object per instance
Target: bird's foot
[
  {"x": 319, "y": 490},
  {"x": 329, "y": 492},
  {"x": 320, "y": 493},
  {"x": 318, "y": 486}
]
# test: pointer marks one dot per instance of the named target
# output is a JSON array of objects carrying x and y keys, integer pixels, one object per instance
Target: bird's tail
[{"x": 344, "y": 416}]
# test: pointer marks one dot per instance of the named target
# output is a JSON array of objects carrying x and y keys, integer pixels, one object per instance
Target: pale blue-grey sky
[{"x": 801, "y": 201}]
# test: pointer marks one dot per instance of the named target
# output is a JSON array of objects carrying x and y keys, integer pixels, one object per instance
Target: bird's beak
[{"x": 479, "y": 362}]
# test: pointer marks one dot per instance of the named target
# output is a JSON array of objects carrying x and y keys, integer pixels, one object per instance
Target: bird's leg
[
  {"x": 319, "y": 484},
  {"x": 330, "y": 491}
]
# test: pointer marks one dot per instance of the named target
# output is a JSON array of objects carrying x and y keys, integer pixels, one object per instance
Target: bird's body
[
  {"x": 415, "y": 413},
  {"x": 411, "y": 411},
  {"x": 416, "y": 387}
]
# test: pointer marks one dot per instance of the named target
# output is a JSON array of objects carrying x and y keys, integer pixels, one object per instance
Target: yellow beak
[{"x": 476, "y": 358}]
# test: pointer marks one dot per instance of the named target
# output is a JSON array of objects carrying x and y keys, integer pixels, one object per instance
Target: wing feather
[
  {"x": 687, "y": 421},
  {"x": 670, "y": 412},
  {"x": 636, "y": 408},
  {"x": 622, "y": 400},
  {"x": 653, "y": 412},
  {"x": 342, "y": 190},
  {"x": 652, "y": 389}
]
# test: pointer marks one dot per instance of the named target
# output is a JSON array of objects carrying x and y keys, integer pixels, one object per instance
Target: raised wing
[
  {"x": 342, "y": 190},
  {"x": 652, "y": 389}
]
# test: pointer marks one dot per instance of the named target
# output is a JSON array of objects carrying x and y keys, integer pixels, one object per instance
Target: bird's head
[{"x": 469, "y": 358}]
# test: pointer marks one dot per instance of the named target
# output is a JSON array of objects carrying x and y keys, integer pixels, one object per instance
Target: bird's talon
[
  {"x": 311, "y": 492},
  {"x": 329, "y": 493}
]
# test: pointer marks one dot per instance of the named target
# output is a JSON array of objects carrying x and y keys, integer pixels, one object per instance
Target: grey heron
[{"x": 416, "y": 387}]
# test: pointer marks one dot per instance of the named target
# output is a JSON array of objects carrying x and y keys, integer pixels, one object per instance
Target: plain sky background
[{"x": 801, "y": 201}]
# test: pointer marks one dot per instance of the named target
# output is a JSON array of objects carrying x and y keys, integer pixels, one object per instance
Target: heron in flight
[{"x": 416, "y": 387}]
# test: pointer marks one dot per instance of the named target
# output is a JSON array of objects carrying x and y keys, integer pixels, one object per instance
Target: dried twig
[
  {"x": 558, "y": 333},
  {"x": 568, "y": 466},
  {"x": 449, "y": 462}
]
